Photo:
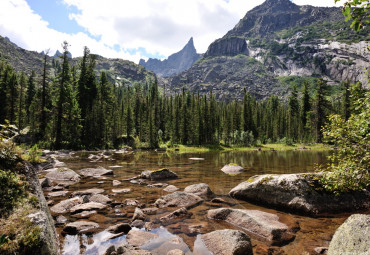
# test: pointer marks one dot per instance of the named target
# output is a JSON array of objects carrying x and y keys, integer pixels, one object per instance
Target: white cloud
[{"x": 159, "y": 26}]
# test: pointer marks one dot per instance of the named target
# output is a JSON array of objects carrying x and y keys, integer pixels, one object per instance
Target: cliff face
[
  {"x": 176, "y": 63},
  {"x": 275, "y": 40}
]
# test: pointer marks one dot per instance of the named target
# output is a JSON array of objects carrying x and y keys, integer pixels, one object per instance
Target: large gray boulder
[
  {"x": 297, "y": 192},
  {"x": 261, "y": 224},
  {"x": 223, "y": 242},
  {"x": 90, "y": 206},
  {"x": 232, "y": 169},
  {"x": 65, "y": 205},
  {"x": 179, "y": 199},
  {"x": 88, "y": 192},
  {"x": 139, "y": 238},
  {"x": 80, "y": 227},
  {"x": 64, "y": 175},
  {"x": 200, "y": 189},
  {"x": 160, "y": 174},
  {"x": 352, "y": 237}
]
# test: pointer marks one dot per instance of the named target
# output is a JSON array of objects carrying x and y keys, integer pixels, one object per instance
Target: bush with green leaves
[
  {"x": 349, "y": 168},
  {"x": 12, "y": 190}
]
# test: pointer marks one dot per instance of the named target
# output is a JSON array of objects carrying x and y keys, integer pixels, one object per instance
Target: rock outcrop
[
  {"x": 352, "y": 237},
  {"x": 296, "y": 192}
]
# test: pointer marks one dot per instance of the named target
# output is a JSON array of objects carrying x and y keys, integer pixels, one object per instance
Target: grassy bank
[{"x": 265, "y": 147}]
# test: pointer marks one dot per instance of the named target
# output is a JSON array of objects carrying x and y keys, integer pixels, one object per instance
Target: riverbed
[{"x": 191, "y": 168}]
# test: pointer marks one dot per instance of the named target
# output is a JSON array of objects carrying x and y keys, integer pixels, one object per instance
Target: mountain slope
[
  {"x": 176, "y": 63},
  {"x": 26, "y": 61},
  {"x": 278, "y": 39}
]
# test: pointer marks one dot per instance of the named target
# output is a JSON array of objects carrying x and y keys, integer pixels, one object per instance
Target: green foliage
[
  {"x": 34, "y": 154},
  {"x": 12, "y": 190},
  {"x": 358, "y": 11},
  {"x": 349, "y": 168}
]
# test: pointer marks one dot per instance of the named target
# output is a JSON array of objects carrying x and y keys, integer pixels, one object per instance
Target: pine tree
[{"x": 321, "y": 107}]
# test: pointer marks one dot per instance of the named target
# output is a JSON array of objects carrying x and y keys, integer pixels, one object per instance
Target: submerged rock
[
  {"x": 160, "y": 174},
  {"x": 200, "y": 189},
  {"x": 99, "y": 198},
  {"x": 121, "y": 191},
  {"x": 171, "y": 188},
  {"x": 95, "y": 172},
  {"x": 295, "y": 192},
  {"x": 352, "y": 237},
  {"x": 178, "y": 214},
  {"x": 223, "y": 242},
  {"x": 139, "y": 238},
  {"x": 87, "y": 192},
  {"x": 80, "y": 227},
  {"x": 179, "y": 199},
  {"x": 264, "y": 225},
  {"x": 232, "y": 169}
]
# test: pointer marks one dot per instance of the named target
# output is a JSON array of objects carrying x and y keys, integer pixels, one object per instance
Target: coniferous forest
[{"x": 79, "y": 109}]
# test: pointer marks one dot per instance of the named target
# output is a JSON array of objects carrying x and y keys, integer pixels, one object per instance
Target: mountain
[
  {"x": 277, "y": 42},
  {"x": 118, "y": 70},
  {"x": 176, "y": 63}
]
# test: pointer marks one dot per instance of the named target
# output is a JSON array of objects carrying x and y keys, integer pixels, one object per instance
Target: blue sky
[{"x": 122, "y": 28}]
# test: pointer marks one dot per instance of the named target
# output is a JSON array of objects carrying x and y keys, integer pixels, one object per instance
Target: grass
[{"x": 265, "y": 147}]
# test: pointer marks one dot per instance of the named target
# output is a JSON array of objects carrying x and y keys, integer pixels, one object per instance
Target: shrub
[{"x": 12, "y": 190}]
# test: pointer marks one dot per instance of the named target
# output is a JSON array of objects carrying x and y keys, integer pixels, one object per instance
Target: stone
[
  {"x": 84, "y": 214},
  {"x": 223, "y": 242},
  {"x": 87, "y": 192},
  {"x": 58, "y": 193},
  {"x": 321, "y": 250},
  {"x": 137, "y": 224},
  {"x": 87, "y": 207},
  {"x": 171, "y": 188},
  {"x": 63, "y": 174},
  {"x": 175, "y": 252},
  {"x": 111, "y": 250},
  {"x": 60, "y": 220},
  {"x": 139, "y": 238},
  {"x": 95, "y": 172},
  {"x": 261, "y": 224},
  {"x": 179, "y": 199},
  {"x": 116, "y": 182},
  {"x": 65, "y": 205},
  {"x": 138, "y": 214},
  {"x": 158, "y": 185},
  {"x": 200, "y": 189},
  {"x": 80, "y": 227},
  {"x": 296, "y": 192},
  {"x": 232, "y": 169},
  {"x": 121, "y": 191},
  {"x": 160, "y": 174},
  {"x": 175, "y": 215},
  {"x": 352, "y": 237},
  {"x": 150, "y": 210},
  {"x": 197, "y": 159},
  {"x": 45, "y": 183},
  {"x": 119, "y": 228},
  {"x": 99, "y": 198},
  {"x": 130, "y": 202}
]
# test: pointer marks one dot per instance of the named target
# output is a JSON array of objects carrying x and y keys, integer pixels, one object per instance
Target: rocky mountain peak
[{"x": 176, "y": 63}]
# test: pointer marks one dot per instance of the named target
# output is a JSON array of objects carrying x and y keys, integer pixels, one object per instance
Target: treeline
[{"x": 81, "y": 110}]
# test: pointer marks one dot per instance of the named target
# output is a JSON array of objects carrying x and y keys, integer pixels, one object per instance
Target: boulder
[
  {"x": 197, "y": 159},
  {"x": 60, "y": 220},
  {"x": 178, "y": 214},
  {"x": 179, "y": 199},
  {"x": 45, "y": 183},
  {"x": 80, "y": 227},
  {"x": 232, "y": 169},
  {"x": 87, "y": 192},
  {"x": 116, "y": 183},
  {"x": 158, "y": 185},
  {"x": 171, "y": 188},
  {"x": 65, "y": 205},
  {"x": 138, "y": 214},
  {"x": 87, "y": 207},
  {"x": 63, "y": 175},
  {"x": 95, "y": 172},
  {"x": 261, "y": 224},
  {"x": 160, "y": 174},
  {"x": 57, "y": 194},
  {"x": 200, "y": 189},
  {"x": 99, "y": 198},
  {"x": 175, "y": 252},
  {"x": 223, "y": 242},
  {"x": 137, "y": 224},
  {"x": 150, "y": 210},
  {"x": 352, "y": 237},
  {"x": 119, "y": 228},
  {"x": 297, "y": 192},
  {"x": 84, "y": 214},
  {"x": 139, "y": 238}
]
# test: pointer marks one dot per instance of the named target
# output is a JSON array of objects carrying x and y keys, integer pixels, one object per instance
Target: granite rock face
[{"x": 352, "y": 237}]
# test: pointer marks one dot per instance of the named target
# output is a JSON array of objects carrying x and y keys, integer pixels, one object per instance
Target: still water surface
[{"x": 314, "y": 232}]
